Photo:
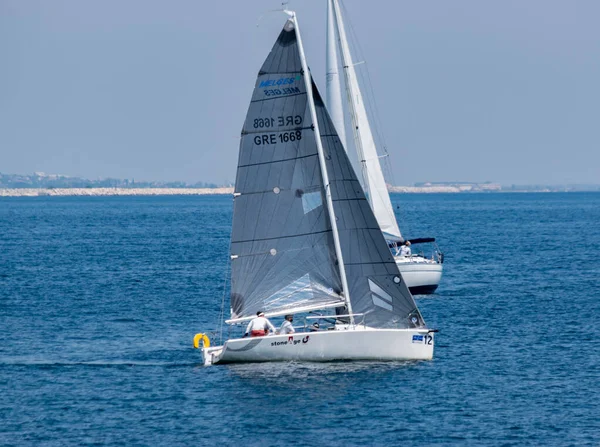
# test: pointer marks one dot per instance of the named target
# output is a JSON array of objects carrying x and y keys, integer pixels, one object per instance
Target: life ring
[{"x": 205, "y": 341}]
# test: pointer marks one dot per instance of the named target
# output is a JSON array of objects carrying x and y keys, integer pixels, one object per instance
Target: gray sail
[
  {"x": 375, "y": 284},
  {"x": 282, "y": 250}
]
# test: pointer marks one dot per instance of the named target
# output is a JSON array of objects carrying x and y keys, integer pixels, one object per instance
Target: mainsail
[{"x": 283, "y": 247}]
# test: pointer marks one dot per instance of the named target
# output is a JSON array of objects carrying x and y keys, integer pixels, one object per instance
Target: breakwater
[{"x": 34, "y": 192}]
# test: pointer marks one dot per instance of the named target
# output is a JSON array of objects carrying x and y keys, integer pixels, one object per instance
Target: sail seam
[
  {"x": 349, "y": 200},
  {"x": 278, "y": 97},
  {"x": 271, "y": 130},
  {"x": 281, "y": 237},
  {"x": 262, "y": 73},
  {"x": 367, "y": 263},
  {"x": 278, "y": 161}
]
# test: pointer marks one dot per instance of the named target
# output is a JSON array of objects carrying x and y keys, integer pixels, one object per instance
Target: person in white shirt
[
  {"x": 405, "y": 249},
  {"x": 286, "y": 326},
  {"x": 259, "y": 326}
]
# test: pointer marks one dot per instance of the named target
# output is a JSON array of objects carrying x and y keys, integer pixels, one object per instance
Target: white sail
[
  {"x": 374, "y": 181},
  {"x": 333, "y": 86}
]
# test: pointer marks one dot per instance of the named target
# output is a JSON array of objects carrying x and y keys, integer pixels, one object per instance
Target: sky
[{"x": 466, "y": 90}]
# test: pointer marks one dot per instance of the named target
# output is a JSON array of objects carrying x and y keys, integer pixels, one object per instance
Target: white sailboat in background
[
  {"x": 304, "y": 238},
  {"x": 422, "y": 274}
]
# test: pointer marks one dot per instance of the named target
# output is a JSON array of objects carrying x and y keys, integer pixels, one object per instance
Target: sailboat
[
  {"x": 304, "y": 239},
  {"x": 421, "y": 273}
]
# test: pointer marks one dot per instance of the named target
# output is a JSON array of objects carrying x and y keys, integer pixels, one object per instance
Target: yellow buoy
[{"x": 205, "y": 341}]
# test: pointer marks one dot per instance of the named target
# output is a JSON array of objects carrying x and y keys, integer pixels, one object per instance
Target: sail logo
[
  {"x": 281, "y": 86},
  {"x": 282, "y": 91},
  {"x": 278, "y": 82}
]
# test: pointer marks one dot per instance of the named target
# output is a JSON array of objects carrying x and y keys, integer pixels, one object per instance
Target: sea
[{"x": 100, "y": 298}]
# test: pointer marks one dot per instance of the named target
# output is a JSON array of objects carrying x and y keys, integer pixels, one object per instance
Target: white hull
[
  {"x": 357, "y": 344},
  {"x": 421, "y": 275}
]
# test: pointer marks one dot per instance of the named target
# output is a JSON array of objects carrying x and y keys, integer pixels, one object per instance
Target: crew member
[
  {"x": 405, "y": 249},
  {"x": 259, "y": 326},
  {"x": 286, "y": 326}
]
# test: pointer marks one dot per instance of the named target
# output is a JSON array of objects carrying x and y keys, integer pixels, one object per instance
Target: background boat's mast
[
  {"x": 333, "y": 92},
  {"x": 349, "y": 74},
  {"x": 313, "y": 114},
  {"x": 374, "y": 181}
]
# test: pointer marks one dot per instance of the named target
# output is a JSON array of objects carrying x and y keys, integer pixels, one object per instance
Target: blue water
[{"x": 100, "y": 299}]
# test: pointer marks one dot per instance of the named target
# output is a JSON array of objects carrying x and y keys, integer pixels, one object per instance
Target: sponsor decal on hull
[{"x": 291, "y": 341}]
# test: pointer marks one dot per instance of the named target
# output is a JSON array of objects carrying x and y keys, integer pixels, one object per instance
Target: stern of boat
[{"x": 210, "y": 354}]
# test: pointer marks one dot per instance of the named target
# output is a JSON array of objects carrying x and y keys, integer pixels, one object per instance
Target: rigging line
[
  {"x": 371, "y": 101},
  {"x": 376, "y": 158},
  {"x": 367, "y": 82},
  {"x": 222, "y": 316}
]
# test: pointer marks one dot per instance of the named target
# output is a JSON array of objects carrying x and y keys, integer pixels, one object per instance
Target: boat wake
[{"x": 97, "y": 364}]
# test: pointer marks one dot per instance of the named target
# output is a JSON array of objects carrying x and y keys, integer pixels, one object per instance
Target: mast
[
  {"x": 375, "y": 186},
  {"x": 333, "y": 89},
  {"x": 326, "y": 184}
]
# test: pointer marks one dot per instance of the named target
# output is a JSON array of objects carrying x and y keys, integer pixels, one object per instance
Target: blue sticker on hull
[{"x": 417, "y": 339}]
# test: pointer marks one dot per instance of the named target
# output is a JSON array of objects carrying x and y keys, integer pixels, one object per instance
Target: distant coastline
[
  {"x": 45, "y": 192},
  {"x": 98, "y": 192},
  {"x": 42, "y": 184}
]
